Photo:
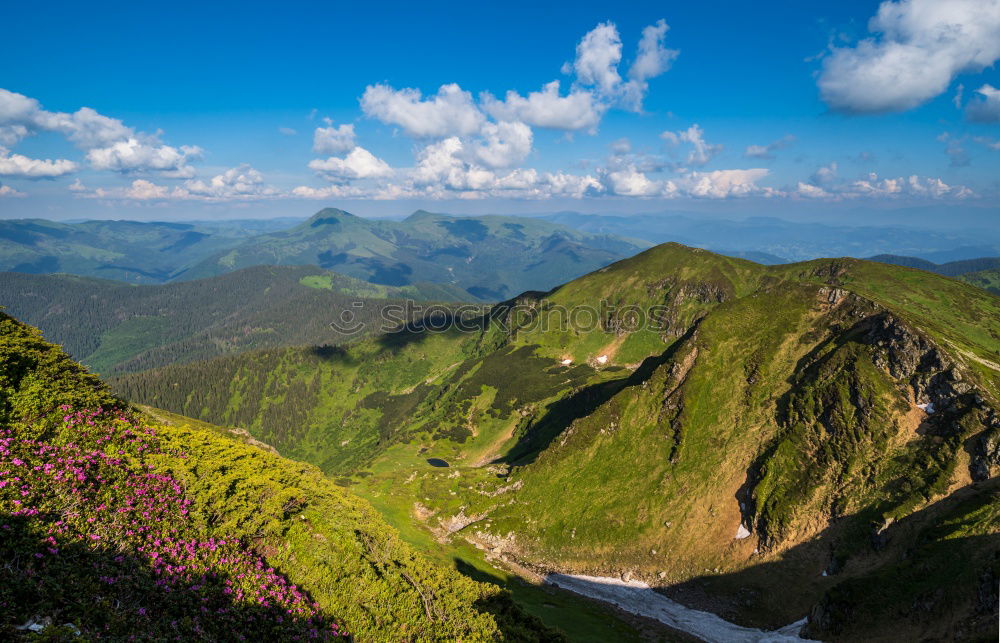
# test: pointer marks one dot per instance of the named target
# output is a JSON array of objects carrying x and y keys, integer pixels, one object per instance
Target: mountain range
[
  {"x": 774, "y": 240},
  {"x": 818, "y": 439},
  {"x": 490, "y": 257},
  {"x": 130, "y": 251}
]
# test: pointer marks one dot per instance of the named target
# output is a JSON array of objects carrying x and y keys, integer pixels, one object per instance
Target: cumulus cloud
[
  {"x": 132, "y": 154},
  {"x": 6, "y": 190},
  {"x": 766, "y": 152},
  {"x": 652, "y": 60},
  {"x": 21, "y": 166},
  {"x": 826, "y": 184},
  {"x": 629, "y": 181},
  {"x": 109, "y": 144},
  {"x": 917, "y": 48},
  {"x": 723, "y": 184},
  {"x": 987, "y": 108},
  {"x": 449, "y": 112},
  {"x": 503, "y": 144},
  {"x": 578, "y": 110},
  {"x": 597, "y": 58},
  {"x": 358, "y": 164},
  {"x": 239, "y": 183},
  {"x": 333, "y": 140},
  {"x": 701, "y": 151}
]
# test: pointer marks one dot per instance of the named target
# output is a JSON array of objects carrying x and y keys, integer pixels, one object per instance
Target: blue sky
[{"x": 146, "y": 111}]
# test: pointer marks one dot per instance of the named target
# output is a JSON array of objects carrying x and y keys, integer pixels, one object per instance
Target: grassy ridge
[{"x": 323, "y": 555}]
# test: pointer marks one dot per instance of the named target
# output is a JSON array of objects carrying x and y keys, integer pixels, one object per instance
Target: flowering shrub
[{"x": 92, "y": 535}]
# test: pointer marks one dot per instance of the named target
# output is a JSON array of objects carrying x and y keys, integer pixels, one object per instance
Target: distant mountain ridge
[
  {"x": 949, "y": 269},
  {"x": 130, "y": 251},
  {"x": 773, "y": 238},
  {"x": 490, "y": 257}
]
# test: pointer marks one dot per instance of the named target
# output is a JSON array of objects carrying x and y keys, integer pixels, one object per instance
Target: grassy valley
[{"x": 818, "y": 420}]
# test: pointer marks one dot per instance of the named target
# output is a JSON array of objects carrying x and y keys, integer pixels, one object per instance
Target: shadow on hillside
[
  {"x": 110, "y": 594},
  {"x": 331, "y": 353},
  {"x": 561, "y": 414},
  {"x": 922, "y": 578},
  {"x": 439, "y": 320}
]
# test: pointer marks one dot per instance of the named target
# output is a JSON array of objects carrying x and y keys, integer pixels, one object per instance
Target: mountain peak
[
  {"x": 420, "y": 215},
  {"x": 328, "y": 216}
]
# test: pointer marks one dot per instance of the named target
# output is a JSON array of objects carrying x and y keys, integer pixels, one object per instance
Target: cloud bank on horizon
[{"x": 475, "y": 146}]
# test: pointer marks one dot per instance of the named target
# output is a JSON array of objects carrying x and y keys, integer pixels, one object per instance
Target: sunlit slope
[{"x": 127, "y": 527}]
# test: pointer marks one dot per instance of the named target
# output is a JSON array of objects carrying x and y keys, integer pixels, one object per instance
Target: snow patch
[
  {"x": 566, "y": 362},
  {"x": 602, "y": 359},
  {"x": 742, "y": 533},
  {"x": 639, "y": 598},
  {"x": 926, "y": 408}
]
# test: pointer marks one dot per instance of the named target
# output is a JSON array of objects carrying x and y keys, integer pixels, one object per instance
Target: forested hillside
[
  {"x": 988, "y": 280},
  {"x": 830, "y": 426},
  {"x": 114, "y": 327},
  {"x": 115, "y": 526}
]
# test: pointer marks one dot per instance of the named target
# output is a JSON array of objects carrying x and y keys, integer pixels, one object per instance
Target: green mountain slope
[
  {"x": 115, "y": 526},
  {"x": 988, "y": 280},
  {"x": 834, "y": 414},
  {"x": 114, "y": 327},
  {"x": 490, "y": 257},
  {"x": 131, "y": 251}
]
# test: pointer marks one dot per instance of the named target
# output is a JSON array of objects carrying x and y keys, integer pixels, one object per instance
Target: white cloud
[
  {"x": 597, "y": 58},
  {"x": 922, "y": 45},
  {"x": 629, "y": 181},
  {"x": 132, "y": 154},
  {"x": 359, "y": 164},
  {"x": 812, "y": 191},
  {"x": 239, "y": 183},
  {"x": 766, "y": 152},
  {"x": 28, "y": 168},
  {"x": 701, "y": 151},
  {"x": 77, "y": 186},
  {"x": 578, "y": 110},
  {"x": 109, "y": 143},
  {"x": 242, "y": 181},
  {"x": 449, "y": 112},
  {"x": 333, "y": 140},
  {"x": 826, "y": 184},
  {"x": 6, "y": 190},
  {"x": 987, "y": 108},
  {"x": 504, "y": 144},
  {"x": 652, "y": 59},
  {"x": 721, "y": 184},
  {"x": 287, "y": 131}
]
